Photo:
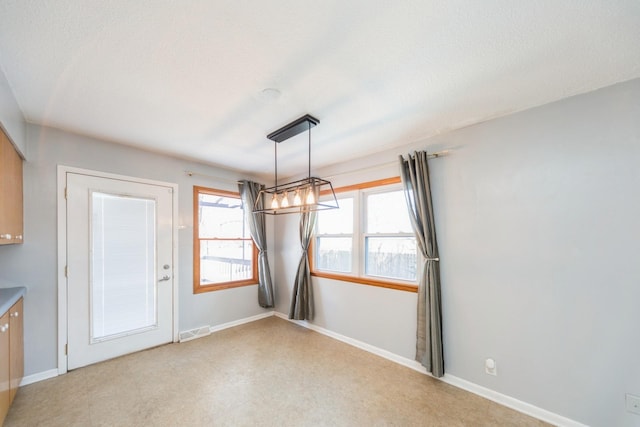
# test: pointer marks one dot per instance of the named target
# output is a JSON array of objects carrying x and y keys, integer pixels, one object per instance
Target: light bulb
[
  {"x": 274, "y": 202},
  {"x": 311, "y": 199},
  {"x": 285, "y": 200},
  {"x": 297, "y": 201}
]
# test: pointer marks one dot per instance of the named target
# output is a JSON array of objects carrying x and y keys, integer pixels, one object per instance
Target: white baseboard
[
  {"x": 361, "y": 345},
  {"x": 51, "y": 373},
  {"x": 502, "y": 399},
  {"x": 510, "y": 402},
  {"x": 40, "y": 376},
  {"x": 227, "y": 325}
]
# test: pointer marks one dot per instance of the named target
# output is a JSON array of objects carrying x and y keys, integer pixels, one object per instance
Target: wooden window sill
[
  {"x": 368, "y": 282},
  {"x": 221, "y": 286}
]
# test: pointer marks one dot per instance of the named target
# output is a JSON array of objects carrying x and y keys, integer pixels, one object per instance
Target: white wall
[
  {"x": 33, "y": 264},
  {"x": 537, "y": 220},
  {"x": 11, "y": 118}
]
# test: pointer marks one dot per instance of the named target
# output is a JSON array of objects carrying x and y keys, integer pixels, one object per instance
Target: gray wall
[
  {"x": 11, "y": 117},
  {"x": 537, "y": 219},
  {"x": 34, "y": 265}
]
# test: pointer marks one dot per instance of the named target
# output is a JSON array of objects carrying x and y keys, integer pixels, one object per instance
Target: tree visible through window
[
  {"x": 369, "y": 239},
  {"x": 224, "y": 254},
  {"x": 389, "y": 241}
]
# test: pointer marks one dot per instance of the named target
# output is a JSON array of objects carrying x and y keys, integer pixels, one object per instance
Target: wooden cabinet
[
  {"x": 16, "y": 347},
  {"x": 11, "y": 356},
  {"x": 11, "y": 225},
  {"x": 5, "y": 389}
]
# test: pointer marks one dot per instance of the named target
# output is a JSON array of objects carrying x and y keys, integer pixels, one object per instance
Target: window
[
  {"x": 334, "y": 238},
  {"x": 369, "y": 239},
  {"x": 224, "y": 255}
]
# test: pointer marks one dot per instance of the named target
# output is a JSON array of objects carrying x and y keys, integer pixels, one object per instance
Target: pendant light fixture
[{"x": 304, "y": 195}]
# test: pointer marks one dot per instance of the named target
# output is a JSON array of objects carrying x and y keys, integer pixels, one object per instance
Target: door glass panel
[{"x": 123, "y": 258}]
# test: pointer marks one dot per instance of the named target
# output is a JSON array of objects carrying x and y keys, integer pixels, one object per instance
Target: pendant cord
[
  {"x": 309, "y": 164},
  {"x": 276, "y": 163}
]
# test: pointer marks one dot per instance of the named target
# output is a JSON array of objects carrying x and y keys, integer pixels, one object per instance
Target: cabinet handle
[
  {"x": 4, "y": 328},
  {"x": 5, "y": 236},
  {"x": 19, "y": 237},
  {"x": 15, "y": 314}
]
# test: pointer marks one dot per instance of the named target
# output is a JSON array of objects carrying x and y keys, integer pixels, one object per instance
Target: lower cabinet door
[
  {"x": 5, "y": 398},
  {"x": 16, "y": 347}
]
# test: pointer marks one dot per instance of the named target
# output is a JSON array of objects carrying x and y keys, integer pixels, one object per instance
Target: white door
[{"x": 120, "y": 274}]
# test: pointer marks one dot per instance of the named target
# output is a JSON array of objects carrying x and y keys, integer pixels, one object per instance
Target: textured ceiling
[{"x": 185, "y": 77}]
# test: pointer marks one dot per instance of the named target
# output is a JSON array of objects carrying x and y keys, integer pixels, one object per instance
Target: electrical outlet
[
  {"x": 633, "y": 403},
  {"x": 490, "y": 367}
]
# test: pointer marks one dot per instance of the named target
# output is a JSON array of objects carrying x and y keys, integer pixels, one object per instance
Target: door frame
[{"x": 62, "y": 251}]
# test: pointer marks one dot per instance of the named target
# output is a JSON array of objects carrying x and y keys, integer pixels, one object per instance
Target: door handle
[{"x": 164, "y": 278}]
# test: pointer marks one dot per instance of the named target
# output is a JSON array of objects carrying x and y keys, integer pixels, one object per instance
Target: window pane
[
  {"x": 334, "y": 253},
  {"x": 336, "y": 221},
  {"x": 221, "y": 217},
  {"x": 387, "y": 213},
  {"x": 392, "y": 257},
  {"x": 123, "y": 259},
  {"x": 225, "y": 260}
]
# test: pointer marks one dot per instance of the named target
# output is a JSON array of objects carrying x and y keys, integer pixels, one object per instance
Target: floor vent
[{"x": 192, "y": 334}]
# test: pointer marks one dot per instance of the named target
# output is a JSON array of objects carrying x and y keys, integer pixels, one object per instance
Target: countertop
[{"x": 9, "y": 296}]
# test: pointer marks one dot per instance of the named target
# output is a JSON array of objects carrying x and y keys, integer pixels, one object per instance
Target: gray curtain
[
  {"x": 248, "y": 193},
  {"x": 417, "y": 190},
  {"x": 302, "y": 298}
]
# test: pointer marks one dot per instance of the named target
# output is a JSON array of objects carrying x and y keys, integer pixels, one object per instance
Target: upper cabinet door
[{"x": 11, "y": 210}]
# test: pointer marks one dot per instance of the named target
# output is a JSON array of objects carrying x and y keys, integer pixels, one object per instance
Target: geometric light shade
[
  {"x": 302, "y": 195},
  {"x": 298, "y": 196}
]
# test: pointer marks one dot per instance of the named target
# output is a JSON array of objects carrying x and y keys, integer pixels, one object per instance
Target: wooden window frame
[
  {"x": 197, "y": 286},
  {"x": 389, "y": 284}
]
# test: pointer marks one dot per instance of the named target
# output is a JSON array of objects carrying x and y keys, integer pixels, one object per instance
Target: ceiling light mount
[
  {"x": 303, "y": 195},
  {"x": 269, "y": 95}
]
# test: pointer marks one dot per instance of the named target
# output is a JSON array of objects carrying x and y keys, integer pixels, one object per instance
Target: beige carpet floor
[{"x": 266, "y": 373}]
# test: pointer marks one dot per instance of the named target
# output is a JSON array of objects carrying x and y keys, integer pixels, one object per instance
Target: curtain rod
[
  {"x": 438, "y": 154},
  {"x": 230, "y": 181},
  {"x": 435, "y": 155}
]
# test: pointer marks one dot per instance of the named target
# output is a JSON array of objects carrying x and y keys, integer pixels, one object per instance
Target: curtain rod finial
[{"x": 439, "y": 154}]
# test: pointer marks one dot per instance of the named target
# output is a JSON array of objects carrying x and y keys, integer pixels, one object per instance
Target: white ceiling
[{"x": 185, "y": 77}]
